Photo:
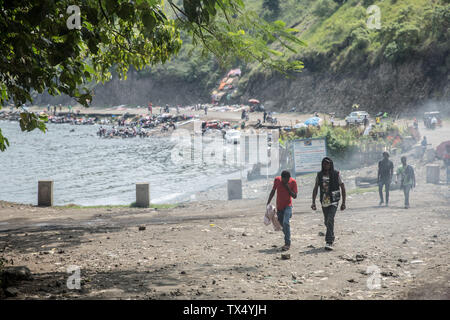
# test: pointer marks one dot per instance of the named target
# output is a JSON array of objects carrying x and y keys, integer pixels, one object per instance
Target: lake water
[{"x": 88, "y": 170}]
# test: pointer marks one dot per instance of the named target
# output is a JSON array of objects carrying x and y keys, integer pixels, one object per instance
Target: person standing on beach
[
  {"x": 384, "y": 178},
  {"x": 286, "y": 189},
  {"x": 408, "y": 179},
  {"x": 366, "y": 121},
  {"x": 329, "y": 181}
]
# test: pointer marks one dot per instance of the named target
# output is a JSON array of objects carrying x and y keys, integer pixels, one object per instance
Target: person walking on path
[
  {"x": 286, "y": 189},
  {"x": 447, "y": 162},
  {"x": 385, "y": 173},
  {"x": 424, "y": 145},
  {"x": 329, "y": 181},
  {"x": 408, "y": 179}
]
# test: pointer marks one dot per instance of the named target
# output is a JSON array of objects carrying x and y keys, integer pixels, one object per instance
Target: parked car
[
  {"x": 215, "y": 124},
  {"x": 356, "y": 117},
  {"x": 428, "y": 117}
]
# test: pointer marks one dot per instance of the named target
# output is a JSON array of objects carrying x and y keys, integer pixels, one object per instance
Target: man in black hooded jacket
[{"x": 329, "y": 181}]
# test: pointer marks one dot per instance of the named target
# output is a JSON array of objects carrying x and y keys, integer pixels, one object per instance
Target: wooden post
[
  {"x": 234, "y": 189},
  {"x": 45, "y": 193},
  {"x": 143, "y": 195},
  {"x": 433, "y": 174}
]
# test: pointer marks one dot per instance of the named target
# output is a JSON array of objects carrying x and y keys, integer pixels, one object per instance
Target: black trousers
[
  {"x": 329, "y": 214},
  {"x": 385, "y": 183}
]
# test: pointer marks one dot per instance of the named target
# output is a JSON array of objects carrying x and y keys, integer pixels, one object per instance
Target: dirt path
[{"x": 222, "y": 250}]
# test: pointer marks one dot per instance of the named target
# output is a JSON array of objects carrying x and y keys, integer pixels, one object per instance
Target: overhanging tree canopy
[{"x": 40, "y": 53}]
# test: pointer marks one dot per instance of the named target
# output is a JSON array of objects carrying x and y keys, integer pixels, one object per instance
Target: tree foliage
[
  {"x": 40, "y": 53},
  {"x": 272, "y": 8},
  {"x": 324, "y": 8}
]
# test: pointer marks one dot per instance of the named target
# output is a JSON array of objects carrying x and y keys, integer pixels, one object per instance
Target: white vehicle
[
  {"x": 233, "y": 136},
  {"x": 356, "y": 117}
]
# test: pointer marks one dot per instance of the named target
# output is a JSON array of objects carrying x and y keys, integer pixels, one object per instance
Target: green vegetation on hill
[
  {"x": 408, "y": 27},
  {"x": 337, "y": 37}
]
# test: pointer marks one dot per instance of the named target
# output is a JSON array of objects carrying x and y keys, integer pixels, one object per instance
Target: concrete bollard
[
  {"x": 234, "y": 189},
  {"x": 433, "y": 174},
  {"x": 45, "y": 193},
  {"x": 142, "y": 195}
]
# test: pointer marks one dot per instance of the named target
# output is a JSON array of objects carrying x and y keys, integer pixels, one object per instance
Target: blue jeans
[{"x": 283, "y": 217}]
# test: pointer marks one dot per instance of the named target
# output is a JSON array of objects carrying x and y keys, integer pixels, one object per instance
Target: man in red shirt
[{"x": 286, "y": 188}]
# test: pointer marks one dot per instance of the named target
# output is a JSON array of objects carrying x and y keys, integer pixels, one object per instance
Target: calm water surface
[{"x": 87, "y": 170}]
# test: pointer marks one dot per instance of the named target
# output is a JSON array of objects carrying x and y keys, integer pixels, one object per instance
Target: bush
[
  {"x": 360, "y": 38},
  {"x": 403, "y": 41},
  {"x": 367, "y": 3},
  {"x": 324, "y": 8},
  {"x": 440, "y": 22}
]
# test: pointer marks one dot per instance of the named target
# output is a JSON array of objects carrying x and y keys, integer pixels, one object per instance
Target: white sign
[{"x": 308, "y": 155}]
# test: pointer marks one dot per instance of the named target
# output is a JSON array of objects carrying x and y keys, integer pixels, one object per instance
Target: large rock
[
  {"x": 11, "y": 275},
  {"x": 11, "y": 292}
]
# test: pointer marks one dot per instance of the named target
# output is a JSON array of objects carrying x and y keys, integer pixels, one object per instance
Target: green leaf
[
  {"x": 125, "y": 11},
  {"x": 149, "y": 21},
  {"x": 111, "y": 6}
]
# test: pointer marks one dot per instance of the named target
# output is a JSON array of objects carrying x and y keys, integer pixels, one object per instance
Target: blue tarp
[{"x": 314, "y": 121}]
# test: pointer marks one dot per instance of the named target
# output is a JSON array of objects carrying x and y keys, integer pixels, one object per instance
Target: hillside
[{"x": 398, "y": 67}]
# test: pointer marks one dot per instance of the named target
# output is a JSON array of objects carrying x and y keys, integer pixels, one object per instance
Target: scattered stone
[
  {"x": 360, "y": 257},
  {"x": 61, "y": 251},
  {"x": 244, "y": 234},
  {"x": 11, "y": 292},
  {"x": 321, "y": 234},
  {"x": 405, "y": 241},
  {"x": 416, "y": 261},
  {"x": 402, "y": 260},
  {"x": 176, "y": 293},
  {"x": 318, "y": 271},
  {"x": 435, "y": 236},
  {"x": 183, "y": 272},
  {"x": 141, "y": 228},
  {"x": 285, "y": 256},
  {"x": 10, "y": 275},
  {"x": 388, "y": 274},
  {"x": 351, "y": 280},
  {"x": 214, "y": 282}
]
